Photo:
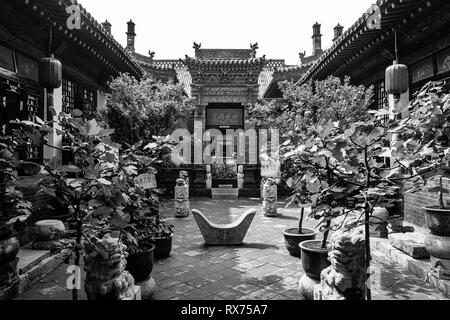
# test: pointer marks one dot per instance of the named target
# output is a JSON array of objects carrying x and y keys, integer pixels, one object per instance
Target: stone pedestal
[
  {"x": 439, "y": 249},
  {"x": 208, "y": 177},
  {"x": 440, "y": 268},
  {"x": 413, "y": 244},
  {"x": 148, "y": 288},
  {"x": 182, "y": 204},
  {"x": 307, "y": 285},
  {"x": 345, "y": 279},
  {"x": 240, "y": 177},
  {"x": 270, "y": 197}
]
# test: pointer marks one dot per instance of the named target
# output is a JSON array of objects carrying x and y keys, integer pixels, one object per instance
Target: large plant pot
[
  {"x": 8, "y": 250},
  {"x": 314, "y": 258},
  {"x": 438, "y": 220},
  {"x": 438, "y": 246},
  {"x": 163, "y": 247},
  {"x": 49, "y": 230},
  {"x": 292, "y": 240},
  {"x": 140, "y": 265}
]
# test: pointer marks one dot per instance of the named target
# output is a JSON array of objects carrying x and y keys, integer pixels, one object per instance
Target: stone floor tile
[{"x": 246, "y": 288}]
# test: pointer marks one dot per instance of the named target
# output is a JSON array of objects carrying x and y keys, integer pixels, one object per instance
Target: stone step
[
  {"x": 30, "y": 258},
  {"x": 33, "y": 266},
  {"x": 225, "y": 193},
  {"x": 419, "y": 267}
]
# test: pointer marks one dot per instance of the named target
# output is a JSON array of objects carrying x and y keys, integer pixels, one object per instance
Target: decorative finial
[
  {"x": 254, "y": 47},
  {"x": 151, "y": 54},
  {"x": 197, "y": 45}
]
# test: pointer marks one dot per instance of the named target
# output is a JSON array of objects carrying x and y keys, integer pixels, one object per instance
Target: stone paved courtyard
[{"x": 261, "y": 269}]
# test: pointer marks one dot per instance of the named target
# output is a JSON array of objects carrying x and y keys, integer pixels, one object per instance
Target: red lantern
[
  {"x": 397, "y": 79},
  {"x": 50, "y": 73}
]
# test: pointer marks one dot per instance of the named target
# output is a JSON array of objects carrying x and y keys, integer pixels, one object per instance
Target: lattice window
[
  {"x": 68, "y": 91},
  {"x": 89, "y": 107},
  {"x": 381, "y": 95}
]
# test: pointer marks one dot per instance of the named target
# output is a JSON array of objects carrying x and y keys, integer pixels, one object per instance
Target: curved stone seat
[{"x": 227, "y": 234}]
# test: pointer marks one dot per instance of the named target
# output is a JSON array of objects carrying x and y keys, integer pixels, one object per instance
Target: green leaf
[{"x": 105, "y": 182}]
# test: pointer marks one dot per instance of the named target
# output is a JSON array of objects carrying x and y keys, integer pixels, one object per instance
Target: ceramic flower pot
[
  {"x": 140, "y": 265},
  {"x": 438, "y": 220},
  {"x": 438, "y": 246},
  {"x": 314, "y": 258},
  {"x": 293, "y": 239},
  {"x": 163, "y": 247}
]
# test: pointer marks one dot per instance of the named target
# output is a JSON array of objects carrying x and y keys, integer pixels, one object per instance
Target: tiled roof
[
  {"x": 360, "y": 37},
  {"x": 194, "y": 62},
  {"x": 91, "y": 37}
]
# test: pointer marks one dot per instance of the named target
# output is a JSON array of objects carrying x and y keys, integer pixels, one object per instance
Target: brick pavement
[{"x": 261, "y": 269}]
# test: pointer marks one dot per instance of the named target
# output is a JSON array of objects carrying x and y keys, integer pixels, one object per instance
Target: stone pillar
[
  {"x": 208, "y": 177},
  {"x": 270, "y": 197},
  {"x": 185, "y": 176},
  {"x": 345, "y": 279},
  {"x": 182, "y": 204},
  {"x": 241, "y": 177}
]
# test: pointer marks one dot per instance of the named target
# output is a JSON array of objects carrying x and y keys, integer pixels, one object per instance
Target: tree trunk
[
  {"x": 367, "y": 255},
  {"x": 326, "y": 234},
  {"x": 77, "y": 252},
  {"x": 441, "y": 195},
  {"x": 300, "y": 223}
]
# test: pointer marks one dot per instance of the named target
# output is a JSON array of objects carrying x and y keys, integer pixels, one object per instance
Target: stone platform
[
  {"x": 421, "y": 268},
  {"x": 225, "y": 193}
]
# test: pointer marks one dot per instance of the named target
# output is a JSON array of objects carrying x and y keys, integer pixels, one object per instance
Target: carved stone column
[
  {"x": 241, "y": 177},
  {"x": 182, "y": 204},
  {"x": 270, "y": 197},
  {"x": 208, "y": 177}
]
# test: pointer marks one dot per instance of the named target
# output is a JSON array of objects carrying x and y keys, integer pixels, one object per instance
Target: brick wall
[{"x": 415, "y": 202}]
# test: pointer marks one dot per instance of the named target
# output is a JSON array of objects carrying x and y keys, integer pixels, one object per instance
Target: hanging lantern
[
  {"x": 397, "y": 80},
  {"x": 50, "y": 72}
]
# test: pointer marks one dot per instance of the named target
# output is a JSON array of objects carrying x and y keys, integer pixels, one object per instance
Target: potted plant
[
  {"x": 347, "y": 180},
  {"x": 162, "y": 237},
  {"x": 428, "y": 125},
  {"x": 97, "y": 185},
  {"x": 146, "y": 220},
  {"x": 14, "y": 210},
  {"x": 137, "y": 237},
  {"x": 295, "y": 236}
]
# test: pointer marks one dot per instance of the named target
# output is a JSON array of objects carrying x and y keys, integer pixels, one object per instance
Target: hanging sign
[{"x": 146, "y": 181}]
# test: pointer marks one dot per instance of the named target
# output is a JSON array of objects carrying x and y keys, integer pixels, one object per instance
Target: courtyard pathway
[{"x": 260, "y": 269}]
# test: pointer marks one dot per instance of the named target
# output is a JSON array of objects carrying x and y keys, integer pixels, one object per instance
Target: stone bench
[{"x": 228, "y": 234}]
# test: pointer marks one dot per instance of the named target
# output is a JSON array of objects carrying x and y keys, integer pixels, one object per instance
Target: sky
[{"x": 282, "y": 28}]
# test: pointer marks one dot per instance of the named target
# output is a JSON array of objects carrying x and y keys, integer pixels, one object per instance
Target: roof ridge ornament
[{"x": 253, "y": 47}]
